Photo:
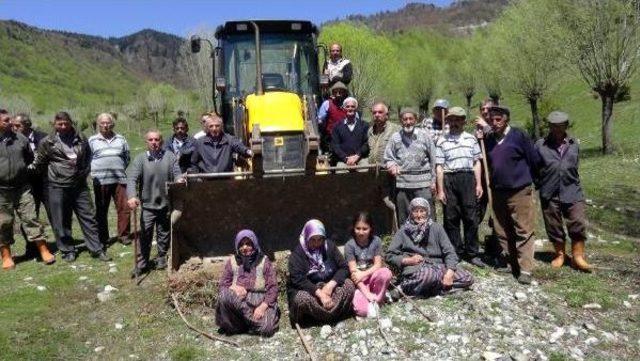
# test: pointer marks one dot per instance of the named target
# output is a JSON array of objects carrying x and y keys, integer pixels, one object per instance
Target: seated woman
[
  {"x": 364, "y": 257},
  {"x": 421, "y": 249},
  {"x": 319, "y": 290},
  {"x": 248, "y": 290}
]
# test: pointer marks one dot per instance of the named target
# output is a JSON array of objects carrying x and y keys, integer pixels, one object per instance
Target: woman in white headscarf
[{"x": 422, "y": 250}]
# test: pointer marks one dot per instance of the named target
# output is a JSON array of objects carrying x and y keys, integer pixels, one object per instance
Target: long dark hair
[{"x": 363, "y": 217}]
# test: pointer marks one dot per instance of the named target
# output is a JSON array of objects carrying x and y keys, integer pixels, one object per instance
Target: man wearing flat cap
[
  {"x": 458, "y": 170},
  {"x": 331, "y": 113},
  {"x": 513, "y": 163},
  {"x": 436, "y": 125},
  {"x": 561, "y": 194}
]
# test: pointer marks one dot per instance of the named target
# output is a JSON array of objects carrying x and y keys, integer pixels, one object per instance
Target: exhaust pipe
[{"x": 259, "y": 88}]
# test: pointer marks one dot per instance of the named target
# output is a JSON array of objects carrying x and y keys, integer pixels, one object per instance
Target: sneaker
[
  {"x": 102, "y": 256},
  {"x": 69, "y": 257},
  {"x": 525, "y": 278},
  {"x": 476, "y": 261}
]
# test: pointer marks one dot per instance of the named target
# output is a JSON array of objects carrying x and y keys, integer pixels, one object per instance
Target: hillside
[
  {"x": 460, "y": 16},
  {"x": 53, "y": 69}
]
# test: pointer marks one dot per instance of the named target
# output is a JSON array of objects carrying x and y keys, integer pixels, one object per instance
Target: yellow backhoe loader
[{"x": 267, "y": 90}]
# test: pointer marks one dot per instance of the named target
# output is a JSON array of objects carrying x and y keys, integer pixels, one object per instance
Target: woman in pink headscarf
[
  {"x": 248, "y": 290},
  {"x": 319, "y": 288}
]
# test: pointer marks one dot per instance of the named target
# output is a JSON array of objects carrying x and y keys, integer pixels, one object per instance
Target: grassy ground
[{"x": 65, "y": 320}]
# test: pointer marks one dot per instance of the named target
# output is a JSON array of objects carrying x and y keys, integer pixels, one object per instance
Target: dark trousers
[
  {"x": 461, "y": 207},
  {"x": 148, "y": 219},
  {"x": 404, "y": 197},
  {"x": 63, "y": 202},
  {"x": 103, "y": 194},
  {"x": 39, "y": 190}
]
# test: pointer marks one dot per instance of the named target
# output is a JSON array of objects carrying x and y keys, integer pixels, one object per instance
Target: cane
[{"x": 136, "y": 239}]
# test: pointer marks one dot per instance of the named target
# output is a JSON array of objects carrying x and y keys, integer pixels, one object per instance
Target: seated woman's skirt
[
  {"x": 427, "y": 281},
  {"x": 235, "y": 315},
  {"x": 305, "y": 308}
]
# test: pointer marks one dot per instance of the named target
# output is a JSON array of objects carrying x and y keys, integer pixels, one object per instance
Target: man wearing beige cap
[
  {"x": 560, "y": 191},
  {"x": 458, "y": 172}
]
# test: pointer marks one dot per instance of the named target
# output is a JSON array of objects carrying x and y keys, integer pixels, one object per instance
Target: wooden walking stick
[
  {"x": 136, "y": 239},
  {"x": 412, "y": 302},
  {"x": 486, "y": 173},
  {"x": 205, "y": 334},
  {"x": 306, "y": 345}
]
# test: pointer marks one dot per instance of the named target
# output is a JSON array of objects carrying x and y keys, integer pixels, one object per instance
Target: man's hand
[
  {"x": 394, "y": 170},
  {"x": 370, "y": 297},
  {"x": 433, "y": 189},
  {"x": 447, "y": 279},
  {"x": 413, "y": 260},
  {"x": 133, "y": 203},
  {"x": 479, "y": 191},
  {"x": 352, "y": 159},
  {"x": 481, "y": 123},
  {"x": 259, "y": 312},
  {"x": 442, "y": 197}
]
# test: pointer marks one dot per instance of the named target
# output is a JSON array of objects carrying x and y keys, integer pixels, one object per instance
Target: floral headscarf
[
  {"x": 415, "y": 230},
  {"x": 313, "y": 228}
]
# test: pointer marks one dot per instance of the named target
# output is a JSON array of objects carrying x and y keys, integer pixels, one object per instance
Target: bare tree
[{"x": 604, "y": 43}]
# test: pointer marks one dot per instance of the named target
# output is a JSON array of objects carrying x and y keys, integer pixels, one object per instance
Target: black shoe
[
  {"x": 125, "y": 240},
  {"x": 476, "y": 261},
  {"x": 525, "y": 278},
  {"x": 160, "y": 263},
  {"x": 137, "y": 272},
  {"x": 395, "y": 295},
  {"x": 102, "y": 256},
  {"x": 69, "y": 257}
]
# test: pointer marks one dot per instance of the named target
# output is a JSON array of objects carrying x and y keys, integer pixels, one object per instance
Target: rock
[
  {"x": 520, "y": 296},
  {"x": 634, "y": 296},
  {"x": 534, "y": 283},
  {"x": 540, "y": 242},
  {"x": 608, "y": 335},
  {"x": 119, "y": 326},
  {"x": 113, "y": 270},
  {"x": 453, "y": 338},
  {"x": 395, "y": 330},
  {"x": 111, "y": 264},
  {"x": 83, "y": 278},
  {"x": 592, "y": 306},
  {"x": 27, "y": 279},
  {"x": 573, "y": 331},
  {"x": 122, "y": 254},
  {"x": 556, "y": 335},
  {"x": 99, "y": 349},
  {"x": 577, "y": 354},
  {"x": 363, "y": 350},
  {"x": 519, "y": 356},
  {"x": 325, "y": 331},
  {"x": 591, "y": 341},
  {"x": 385, "y": 323},
  {"x": 109, "y": 289},
  {"x": 41, "y": 288},
  {"x": 490, "y": 356},
  {"x": 541, "y": 356},
  {"x": 104, "y": 296},
  {"x": 626, "y": 304},
  {"x": 589, "y": 326}
]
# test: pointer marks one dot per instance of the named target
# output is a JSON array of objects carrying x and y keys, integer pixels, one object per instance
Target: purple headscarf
[
  {"x": 313, "y": 228},
  {"x": 247, "y": 261},
  {"x": 417, "y": 231}
]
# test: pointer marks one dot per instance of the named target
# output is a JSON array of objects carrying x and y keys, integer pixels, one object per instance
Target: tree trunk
[
  {"x": 607, "y": 122},
  {"x": 535, "y": 117},
  {"x": 468, "y": 96}
]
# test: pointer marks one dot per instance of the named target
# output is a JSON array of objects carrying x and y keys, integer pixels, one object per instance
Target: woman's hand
[
  {"x": 240, "y": 291},
  {"x": 370, "y": 297},
  {"x": 413, "y": 260},
  {"x": 259, "y": 312},
  {"x": 447, "y": 279},
  {"x": 324, "y": 299},
  {"x": 357, "y": 276}
]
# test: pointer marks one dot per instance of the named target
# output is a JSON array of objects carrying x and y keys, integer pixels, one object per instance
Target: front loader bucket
[{"x": 208, "y": 214}]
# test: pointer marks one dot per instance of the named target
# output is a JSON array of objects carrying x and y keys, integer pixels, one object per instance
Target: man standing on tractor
[
  {"x": 331, "y": 113},
  {"x": 213, "y": 152},
  {"x": 349, "y": 137},
  {"x": 338, "y": 68}
]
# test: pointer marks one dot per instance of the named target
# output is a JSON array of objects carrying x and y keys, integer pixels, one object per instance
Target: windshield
[{"x": 288, "y": 63}]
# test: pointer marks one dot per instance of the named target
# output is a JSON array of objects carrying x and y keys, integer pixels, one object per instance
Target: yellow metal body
[{"x": 275, "y": 112}]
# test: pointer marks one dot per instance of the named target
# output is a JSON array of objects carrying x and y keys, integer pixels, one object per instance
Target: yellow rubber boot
[
  {"x": 558, "y": 261},
  {"x": 7, "y": 259},
  {"x": 46, "y": 256},
  {"x": 577, "y": 261}
]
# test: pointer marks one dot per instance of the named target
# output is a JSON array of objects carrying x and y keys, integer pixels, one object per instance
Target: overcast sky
[{"x": 120, "y": 17}]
